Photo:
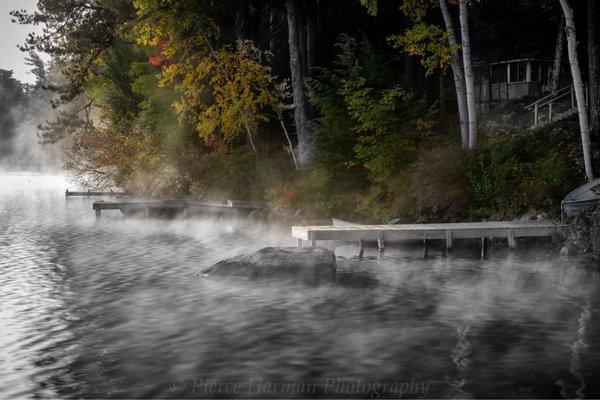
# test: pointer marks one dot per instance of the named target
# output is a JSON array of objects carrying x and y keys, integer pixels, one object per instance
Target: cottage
[{"x": 510, "y": 80}]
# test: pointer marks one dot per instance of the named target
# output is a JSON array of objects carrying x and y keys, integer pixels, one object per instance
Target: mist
[{"x": 24, "y": 151}]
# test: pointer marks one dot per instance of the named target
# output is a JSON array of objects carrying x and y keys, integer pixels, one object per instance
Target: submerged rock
[
  {"x": 568, "y": 250},
  {"x": 277, "y": 263}
]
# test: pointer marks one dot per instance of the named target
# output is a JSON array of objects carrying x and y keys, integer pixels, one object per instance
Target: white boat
[{"x": 584, "y": 197}]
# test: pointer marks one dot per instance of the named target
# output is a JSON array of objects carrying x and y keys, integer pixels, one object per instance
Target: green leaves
[
  {"x": 371, "y": 6},
  {"x": 429, "y": 42},
  {"x": 366, "y": 108}
]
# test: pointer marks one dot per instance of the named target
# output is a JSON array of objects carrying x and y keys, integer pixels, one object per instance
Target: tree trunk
[
  {"x": 305, "y": 150},
  {"x": 579, "y": 88},
  {"x": 442, "y": 102},
  {"x": 459, "y": 77},
  {"x": 558, "y": 56},
  {"x": 594, "y": 68},
  {"x": 272, "y": 29},
  {"x": 469, "y": 76},
  {"x": 301, "y": 26},
  {"x": 311, "y": 35}
]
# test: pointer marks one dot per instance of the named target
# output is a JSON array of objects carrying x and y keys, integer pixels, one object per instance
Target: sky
[{"x": 12, "y": 34}]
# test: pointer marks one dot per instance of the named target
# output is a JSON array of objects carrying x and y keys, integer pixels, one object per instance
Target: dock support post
[
  {"x": 299, "y": 242},
  {"x": 484, "y": 248},
  {"x": 361, "y": 249},
  {"x": 512, "y": 243},
  {"x": 98, "y": 214},
  {"x": 448, "y": 247},
  {"x": 311, "y": 239},
  {"x": 425, "y": 248},
  {"x": 147, "y": 211},
  {"x": 380, "y": 243}
]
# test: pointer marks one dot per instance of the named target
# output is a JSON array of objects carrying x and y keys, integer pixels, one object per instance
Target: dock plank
[
  {"x": 464, "y": 230},
  {"x": 183, "y": 206},
  {"x": 89, "y": 193}
]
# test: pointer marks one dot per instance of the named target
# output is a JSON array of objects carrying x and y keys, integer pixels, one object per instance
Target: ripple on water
[{"x": 116, "y": 309}]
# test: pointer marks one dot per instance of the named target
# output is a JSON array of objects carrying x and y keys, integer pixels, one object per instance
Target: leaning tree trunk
[
  {"x": 469, "y": 76},
  {"x": 558, "y": 56},
  {"x": 305, "y": 148},
  {"x": 459, "y": 76},
  {"x": 579, "y": 88},
  {"x": 594, "y": 67}
]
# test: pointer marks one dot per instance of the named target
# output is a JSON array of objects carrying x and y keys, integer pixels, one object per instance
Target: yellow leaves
[
  {"x": 227, "y": 93},
  {"x": 416, "y": 9},
  {"x": 429, "y": 42},
  {"x": 224, "y": 91},
  {"x": 371, "y": 6}
]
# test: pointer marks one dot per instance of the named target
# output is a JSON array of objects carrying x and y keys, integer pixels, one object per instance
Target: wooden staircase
[{"x": 554, "y": 107}]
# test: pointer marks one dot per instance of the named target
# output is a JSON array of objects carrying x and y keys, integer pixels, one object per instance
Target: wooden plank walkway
[
  {"x": 89, "y": 193},
  {"x": 344, "y": 231},
  {"x": 148, "y": 207}
]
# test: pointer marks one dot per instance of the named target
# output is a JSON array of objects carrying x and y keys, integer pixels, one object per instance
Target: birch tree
[
  {"x": 469, "y": 75},
  {"x": 458, "y": 72},
  {"x": 594, "y": 68},
  {"x": 412, "y": 41},
  {"x": 584, "y": 126}
]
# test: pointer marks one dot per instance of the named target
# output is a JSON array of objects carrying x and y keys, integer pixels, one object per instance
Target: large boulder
[
  {"x": 277, "y": 263},
  {"x": 583, "y": 236}
]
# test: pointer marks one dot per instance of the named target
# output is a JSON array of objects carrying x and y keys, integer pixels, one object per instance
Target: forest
[{"x": 364, "y": 110}]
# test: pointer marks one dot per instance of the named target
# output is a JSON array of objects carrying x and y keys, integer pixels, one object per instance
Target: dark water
[{"x": 115, "y": 310}]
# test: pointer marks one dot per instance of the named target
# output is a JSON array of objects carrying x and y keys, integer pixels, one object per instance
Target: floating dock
[
  {"x": 344, "y": 231},
  {"x": 89, "y": 193},
  {"x": 175, "y": 207}
]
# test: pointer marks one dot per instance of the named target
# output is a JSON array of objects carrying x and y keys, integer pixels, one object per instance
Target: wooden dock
[
  {"x": 344, "y": 231},
  {"x": 175, "y": 207},
  {"x": 89, "y": 193}
]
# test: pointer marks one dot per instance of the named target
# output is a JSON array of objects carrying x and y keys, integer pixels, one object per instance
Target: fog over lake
[{"x": 116, "y": 309}]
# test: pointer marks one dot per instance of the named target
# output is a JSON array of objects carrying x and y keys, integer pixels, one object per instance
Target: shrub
[{"x": 440, "y": 184}]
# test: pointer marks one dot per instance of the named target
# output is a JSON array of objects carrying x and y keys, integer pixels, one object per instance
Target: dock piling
[
  {"x": 380, "y": 243},
  {"x": 512, "y": 242},
  {"x": 425, "y": 248},
  {"x": 98, "y": 214},
  {"x": 448, "y": 241},
  {"x": 484, "y": 248},
  {"x": 298, "y": 242},
  {"x": 361, "y": 248}
]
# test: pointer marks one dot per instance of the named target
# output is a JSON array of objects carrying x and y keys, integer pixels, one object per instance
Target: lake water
[{"x": 116, "y": 309}]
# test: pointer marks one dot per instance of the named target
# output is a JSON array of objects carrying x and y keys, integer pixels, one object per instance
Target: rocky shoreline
[{"x": 583, "y": 236}]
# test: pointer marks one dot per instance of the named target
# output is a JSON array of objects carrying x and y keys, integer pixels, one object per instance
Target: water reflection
[{"x": 116, "y": 309}]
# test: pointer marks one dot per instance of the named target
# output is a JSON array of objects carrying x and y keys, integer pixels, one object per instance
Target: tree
[
  {"x": 37, "y": 68},
  {"x": 594, "y": 68},
  {"x": 305, "y": 140},
  {"x": 434, "y": 49},
  {"x": 584, "y": 126},
  {"x": 458, "y": 72},
  {"x": 558, "y": 56},
  {"x": 77, "y": 34},
  {"x": 12, "y": 99},
  {"x": 469, "y": 76}
]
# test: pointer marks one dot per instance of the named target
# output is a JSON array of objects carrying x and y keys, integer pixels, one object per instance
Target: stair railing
[{"x": 552, "y": 98}]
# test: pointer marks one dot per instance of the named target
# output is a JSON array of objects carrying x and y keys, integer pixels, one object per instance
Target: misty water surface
[{"x": 115, "y": 309}]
